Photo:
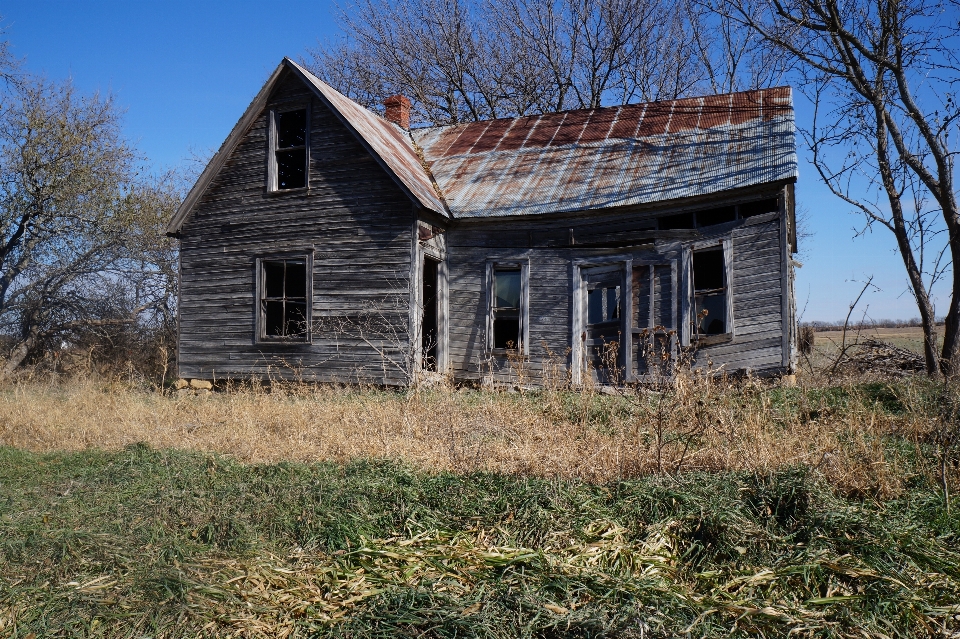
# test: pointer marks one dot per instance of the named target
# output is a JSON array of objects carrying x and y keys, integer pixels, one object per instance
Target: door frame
[
  {"x": 434, "y": 249},
  {"x": 578, "y": 353}
]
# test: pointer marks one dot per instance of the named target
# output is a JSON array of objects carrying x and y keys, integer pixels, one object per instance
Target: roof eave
[
  {"x": 220, "y": 157},
  {"x": 366, "y": 145}
]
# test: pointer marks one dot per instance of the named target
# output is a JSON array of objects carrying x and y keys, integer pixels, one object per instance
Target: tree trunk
[
  {"x": 950, "y": 355},
  {"x": 19, "y": 353},
  {"x": 899, "y": 227}
]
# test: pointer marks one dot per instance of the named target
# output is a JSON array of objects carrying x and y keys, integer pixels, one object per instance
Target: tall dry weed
[{"x": 698, "y": 422}]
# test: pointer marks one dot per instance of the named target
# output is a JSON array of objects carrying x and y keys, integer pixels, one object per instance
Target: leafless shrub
[{"x": 806, "y": 340}]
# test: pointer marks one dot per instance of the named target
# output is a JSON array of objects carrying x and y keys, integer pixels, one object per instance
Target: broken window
[
  {"x": 719, "y": 215},
  {"x": 506, "y": 307},
  {"x": 284, "y": 310},
  {"x": 710, "y": 289},
  {"x": 673, "y": 222},
  {"x": 603, "y": 304},
  {"x": 290, "y": 150},
  {"x": 771, "y": 205}
]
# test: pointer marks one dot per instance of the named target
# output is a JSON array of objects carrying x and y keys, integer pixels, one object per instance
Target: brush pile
[{"x": 882, "y": 358}]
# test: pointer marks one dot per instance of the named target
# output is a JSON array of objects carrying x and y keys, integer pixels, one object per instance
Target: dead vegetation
[{"x": 698, "y": 422}]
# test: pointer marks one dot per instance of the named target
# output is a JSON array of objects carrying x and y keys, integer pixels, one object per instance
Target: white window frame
[
  {"x": 272, "y": 170},
  {"x": 260, "y": 328},
  {"x": 686, "y": 328},
  {"x": 524, "y": 266}
]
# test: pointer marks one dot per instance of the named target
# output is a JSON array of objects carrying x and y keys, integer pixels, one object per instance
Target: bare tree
[
  {"x": 465, "y": 60},
  {"x": 732, "y": 56},
  {"x": 882, "y": 76},
  {"x": 80, "y": 247}
]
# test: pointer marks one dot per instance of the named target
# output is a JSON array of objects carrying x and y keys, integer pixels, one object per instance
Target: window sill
[
  {"x": 508, "y": 352},
  {"x": 283, "y": 341},
  {"x": 279, "y": 192},
  {"x": 710, "y": 340}
]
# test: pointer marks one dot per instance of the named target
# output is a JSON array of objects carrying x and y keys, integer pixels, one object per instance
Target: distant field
[{"x": 909, "y": 337}]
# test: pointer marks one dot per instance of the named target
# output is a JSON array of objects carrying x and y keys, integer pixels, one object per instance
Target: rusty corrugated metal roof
[
  {"x": 386, "y": 140},
  {"x": 614, "y": 156}
]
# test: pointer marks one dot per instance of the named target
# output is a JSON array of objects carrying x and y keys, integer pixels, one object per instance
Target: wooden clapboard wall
[
  {"x": 762, "y": 309},
  {"x": 355, "y": 221},
  {"x": 759, "y": 322}
]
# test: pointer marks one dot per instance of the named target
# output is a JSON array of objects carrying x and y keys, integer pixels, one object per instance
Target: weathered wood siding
[
  {"x": 758, "y": 322},
  {"x": 551, "y": 249},
  {"x": 354, "y": 219}
]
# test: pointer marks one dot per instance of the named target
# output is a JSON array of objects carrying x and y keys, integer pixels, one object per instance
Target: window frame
[
  {"x": 690, "y": 336},
  {"x": 524, "y": 332},
  {"x": 738, "y": 217},
  {"x": 260, "y": 327},
  {"x": 272, "y": 140}
]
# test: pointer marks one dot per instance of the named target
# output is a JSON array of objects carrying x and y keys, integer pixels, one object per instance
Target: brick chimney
[{"x": 398, "y": 110}]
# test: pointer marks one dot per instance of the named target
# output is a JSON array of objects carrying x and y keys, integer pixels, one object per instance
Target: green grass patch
[{"x": 170, "y": 544}]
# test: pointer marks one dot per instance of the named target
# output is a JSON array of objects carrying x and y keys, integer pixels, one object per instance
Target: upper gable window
[
  {"x": 289, "y": 150},
  {"x": 717, "y": 216}
]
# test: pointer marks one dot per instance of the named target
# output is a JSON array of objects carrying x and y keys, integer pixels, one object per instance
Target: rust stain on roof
[
  {"x": 394, "y": 148},
  {"x": 615, "y": 156}
]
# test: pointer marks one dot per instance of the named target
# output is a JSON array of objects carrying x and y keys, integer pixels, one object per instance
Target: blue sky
[{"x": 185, "y": 71}]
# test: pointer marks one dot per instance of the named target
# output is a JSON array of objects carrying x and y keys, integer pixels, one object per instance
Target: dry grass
[{"x": 700, "y": 424}]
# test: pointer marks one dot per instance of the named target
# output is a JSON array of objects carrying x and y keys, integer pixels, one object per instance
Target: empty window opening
[
  {"x": 283, "y": 299},
  {"x": 771, "y": 205},
  {"x": 603, "y": 305},
  {"x": 673, "y": 222},
  {"x": 429, "y": 329},
  {"x": 506, "y": 308},
  {"x": 710, "y": 292},
  {"x": 720, "y": 215},
  {"x": 291, "y": 149}
]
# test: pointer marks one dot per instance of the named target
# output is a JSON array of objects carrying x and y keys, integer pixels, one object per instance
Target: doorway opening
[
  {"x": 603, "y": 335},
  {"x": 429, "y": 323}
]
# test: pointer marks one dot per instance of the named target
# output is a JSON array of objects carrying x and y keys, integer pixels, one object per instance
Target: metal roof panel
[
  {"x": 634, "y": 154},
  {"x": 390, "y": 143}
]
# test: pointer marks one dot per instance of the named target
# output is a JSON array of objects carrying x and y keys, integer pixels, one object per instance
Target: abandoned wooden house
[{"x": 326, "y": 242}]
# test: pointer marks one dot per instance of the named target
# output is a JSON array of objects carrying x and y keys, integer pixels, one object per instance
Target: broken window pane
[
  {"x": 708, "y": 270},
  {"x": 283, "y": 298},
  {"x": 296, "y": 280},
  {"x": 595, "y": 306},
  {"x": 711, "y": 311},
  {"x": 613, "y": 303},
  {"x": 671, "y": 222},
  {"x": 295, "y": 319},
  {"x": 603, "y": 305},
  {"x": 273, "y": 318},
  {"x": 506, "y": 332},
  {"x": 292, "y": 169},
  {"x": 291, "y": 129},
  {"x": 716, "y": 216},
  {"x": 273, "y": 279},
  {"x": 771, "y": 205}
]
